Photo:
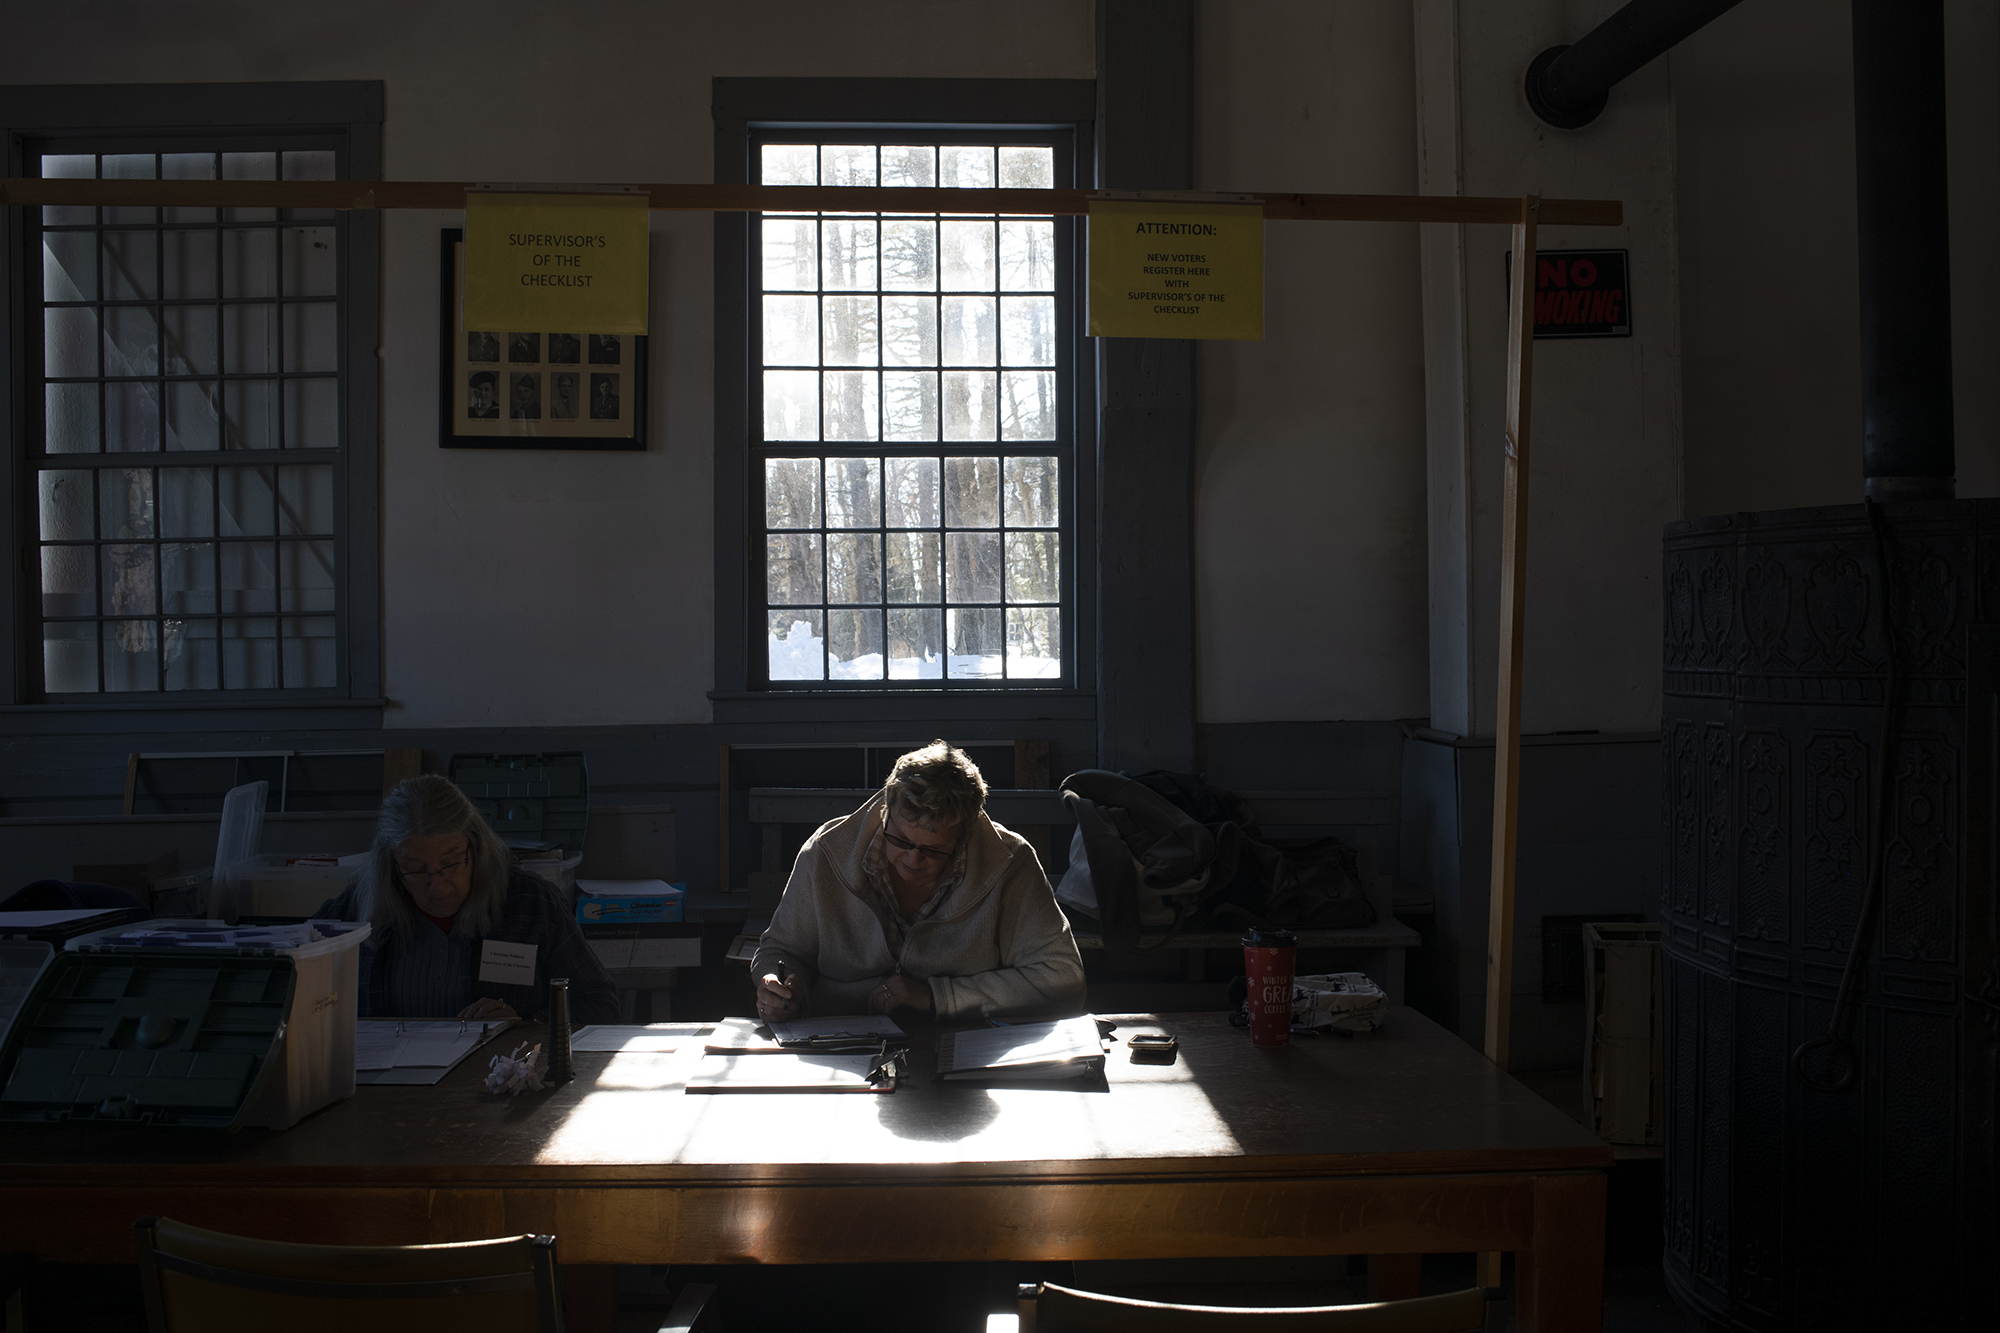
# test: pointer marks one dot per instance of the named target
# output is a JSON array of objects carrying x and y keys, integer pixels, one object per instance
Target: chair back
[
  {"x": 1054, "y": 1309},
  {"x": 199, "y": 1280}
]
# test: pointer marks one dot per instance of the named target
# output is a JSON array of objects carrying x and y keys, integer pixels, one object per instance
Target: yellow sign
[
  {"x": 1168, "y": 270},
  {"x": 555, "y": 263}
]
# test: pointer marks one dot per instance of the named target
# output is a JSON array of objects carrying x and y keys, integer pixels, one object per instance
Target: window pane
[
  {"x": 249, "y": 167},
  {"x": 1034, "y": 567},
  {"x": 131, "y": 266},
  {"x": 65, "y": 506},
  {"x": 1028, "y": 168},
  {"x": 70, "y": 425},
  {"x": 125, "y": 503},
  {"x": 850, "y": 405},
  {"x": 1028, "y": 405},
  {"x": 249, "y": 654},
  {"x": 847, "y": 255},
  {"x": 190, "y": 340},
  {"x": 1032, "y": 497},
  {"x": 189, "y": 269},
  {"x": 791, "y": 404},
  {"x": 792, "y": 570},
  {"x": 797, "y": 645},
  {"x": 916, "y": 644},
  {"x": 972, "y": 566},
  {"x": 791, "y": 254},
  {"x": 854, "y": 645},
  {"x": 305, "y": 576},
  {"x": 1028, "y": 330},
  {"x": 1034, "y": 643},
  {"x": 188, "y": 167},
  {"x": 968, "y": 404},
  {"x": 131, "y": 418},
  {"x": 853, "y": 493},
  {"x": 187, "y": 579},
  {"x": 69, "y": 658},
  {"x": 131, "y": 341},
  {"x": 791, "y": 331},
  {"x": 847, "y": 330},
  {"x": 195, "y": 663},
  {"x": 69, "y": 166},
  {"x": 910, "y": 492},
  {"x": 791, "y": 492},
  {"x": 909, "y": 331},
  {"x": 913, "y": 166},
  {"x": 789, "y": 164},
  {"x": 249, "y": 574},
  {"x": 69, "y": 581},
  {"x": 248, "y": 504},
  {"x": 976, "y": 635},
  {"x": 972, "y": 493},
  {"x": 967, "y": 336},
  {"x": 69, "y": 266},
  {"x": 249, "y": 340},
  {"x": 131, "y": 655},
  {"x": 250, "y": 263},
  {"x": 910, "y": 406},
  {"x": 312, "y": 412},
  {"x": 187, "y": 502},
  {"x": 305, "y": 500},
  {"x": 913, "y": 567},
  {"x": 129, "y": 586},
  {"x": 69, "y": 342},
  {"x": 130, "y": 167},
  {"x": 310, "y": 262},
  {"x": 1027, "y": 256},
  {"x": 967, "y": 256},
  {"x": 909, "y": 256},
  {"x": 312, "y": 336},
  {"x": 847, "y": 164},
  {"x": 309, "y": 653},
  {"x": 966, "y": 168},
  {"x": 250, "y": 415},
  {"x": 853, "y": 568}
]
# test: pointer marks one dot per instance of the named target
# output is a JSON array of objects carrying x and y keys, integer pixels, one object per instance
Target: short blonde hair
[{"x": 936, "y": 787}]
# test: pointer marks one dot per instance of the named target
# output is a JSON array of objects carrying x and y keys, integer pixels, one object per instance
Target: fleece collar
[{"x": 844, "y": 847}]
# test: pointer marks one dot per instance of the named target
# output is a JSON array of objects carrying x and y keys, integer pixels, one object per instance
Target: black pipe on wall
[
  {"x": 1569, "y": 85},
  {"x": 1900, "y": 180}
]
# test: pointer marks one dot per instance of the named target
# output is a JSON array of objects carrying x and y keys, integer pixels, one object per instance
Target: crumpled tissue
[{"x": 518, "y": 1073}]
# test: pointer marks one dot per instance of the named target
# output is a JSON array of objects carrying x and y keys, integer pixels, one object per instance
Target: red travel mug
[{"x": 1267, "y": 961}]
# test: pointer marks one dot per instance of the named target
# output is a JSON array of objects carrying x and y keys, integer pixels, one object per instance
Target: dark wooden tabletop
[{"x": 1411, "y": 1098}]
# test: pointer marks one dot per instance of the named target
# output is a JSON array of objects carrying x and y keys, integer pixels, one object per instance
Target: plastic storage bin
[
  {"x": 189, "y": 1024},
  {"x": 21, "y": 965},
  {"x": 266, "y": 885}
]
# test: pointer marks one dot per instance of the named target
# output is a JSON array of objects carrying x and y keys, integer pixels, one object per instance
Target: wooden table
[{"x": 1402, "y": 1143}]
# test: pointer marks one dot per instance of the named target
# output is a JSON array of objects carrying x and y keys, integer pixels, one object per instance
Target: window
[
  {"x": 912, "y": 445},
  {"x": 185, "y": 376}
]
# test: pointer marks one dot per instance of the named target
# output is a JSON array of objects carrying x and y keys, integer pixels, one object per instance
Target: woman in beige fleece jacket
[{"x": 919, "y": 905}]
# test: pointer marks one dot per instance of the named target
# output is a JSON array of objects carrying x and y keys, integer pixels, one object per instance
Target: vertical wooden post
[
  {"x": 1513, "y": 599},
  {"x": 722, "y": 805}
]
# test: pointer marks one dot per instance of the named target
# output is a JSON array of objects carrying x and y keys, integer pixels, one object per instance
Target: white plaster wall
[
  {"x": 523, "y": 588},
  {"x": 1309, "y": 546},
  {"x": 1765, "y": 101}
]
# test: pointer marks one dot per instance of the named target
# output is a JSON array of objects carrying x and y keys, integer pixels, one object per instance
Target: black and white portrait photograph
[
  {"x": 527, "y": 401},
  {"x": 603, "y": 349},
  {"x": 604, "y": 398},
  {"x": 562, "y": 395},
  {"x": 483, "y": 397},
  {"x": 524, "y": 348},
  {"x": 564, "y": 349},
  {"x": 482, "y": 347}
]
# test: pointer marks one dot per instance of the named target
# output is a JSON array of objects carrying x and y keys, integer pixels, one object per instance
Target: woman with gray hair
[
  {"x": 919, "y": 905},
  {"x": 458, "y": 932}
]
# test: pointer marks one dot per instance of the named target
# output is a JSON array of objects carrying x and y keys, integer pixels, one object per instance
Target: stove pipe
[{"x": 1899, "y": 159}]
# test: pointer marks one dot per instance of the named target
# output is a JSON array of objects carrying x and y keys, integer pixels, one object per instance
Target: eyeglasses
[
  {"x": 928, "y": 853},
  {"x": 428, "y": 877}
]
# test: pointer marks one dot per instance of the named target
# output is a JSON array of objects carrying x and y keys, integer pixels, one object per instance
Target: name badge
[{"x": 508, "y": 963}]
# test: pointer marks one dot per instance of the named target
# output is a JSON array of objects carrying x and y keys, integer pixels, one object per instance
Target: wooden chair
[
  {"x": 194, "y": 1279},
  {"x": 1051, "y": 1308}
]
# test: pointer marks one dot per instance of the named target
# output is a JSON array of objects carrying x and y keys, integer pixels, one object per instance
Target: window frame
[
  {"x": 749, "y": 112},
  {"x": 162, "y": 118}
]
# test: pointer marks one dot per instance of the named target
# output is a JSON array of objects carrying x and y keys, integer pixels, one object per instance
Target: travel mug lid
[{"x": 1259, "y": 938}]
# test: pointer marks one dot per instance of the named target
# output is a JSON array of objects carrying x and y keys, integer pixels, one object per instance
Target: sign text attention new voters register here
[
  {"x": 1174, "y": 270},
  {"x": 558, "y": 263}
]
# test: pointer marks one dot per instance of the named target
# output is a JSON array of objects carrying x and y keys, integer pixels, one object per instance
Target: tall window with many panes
[
  {"x": 185, "y": 431},
  {"x": 911, "y": 471}
]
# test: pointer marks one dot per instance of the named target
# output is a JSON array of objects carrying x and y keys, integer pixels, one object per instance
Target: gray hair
[
  {"x": 429, "y": 807},
  {"x": 937, "y": 787}
]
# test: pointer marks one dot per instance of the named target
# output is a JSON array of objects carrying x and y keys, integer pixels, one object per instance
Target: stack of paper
[
  {"x": 409, "y": 1050},
  {"x": 1069, "y": 1048}
]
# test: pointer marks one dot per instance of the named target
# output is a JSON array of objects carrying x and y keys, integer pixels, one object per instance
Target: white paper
[
  {"x": 653, "y": 1037},
  {"x": 503, "y": 962},
  {"x": 668, "y": 951},
  {"x": 807, "y": 1073},
  {"x": 854, "y": 1025},
  {"x": 430, "y": 1044},
  {"x": 1027, "y": 1043}
]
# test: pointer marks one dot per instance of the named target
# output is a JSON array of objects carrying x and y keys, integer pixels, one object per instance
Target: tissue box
[{"x": 628, "y": 901}]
